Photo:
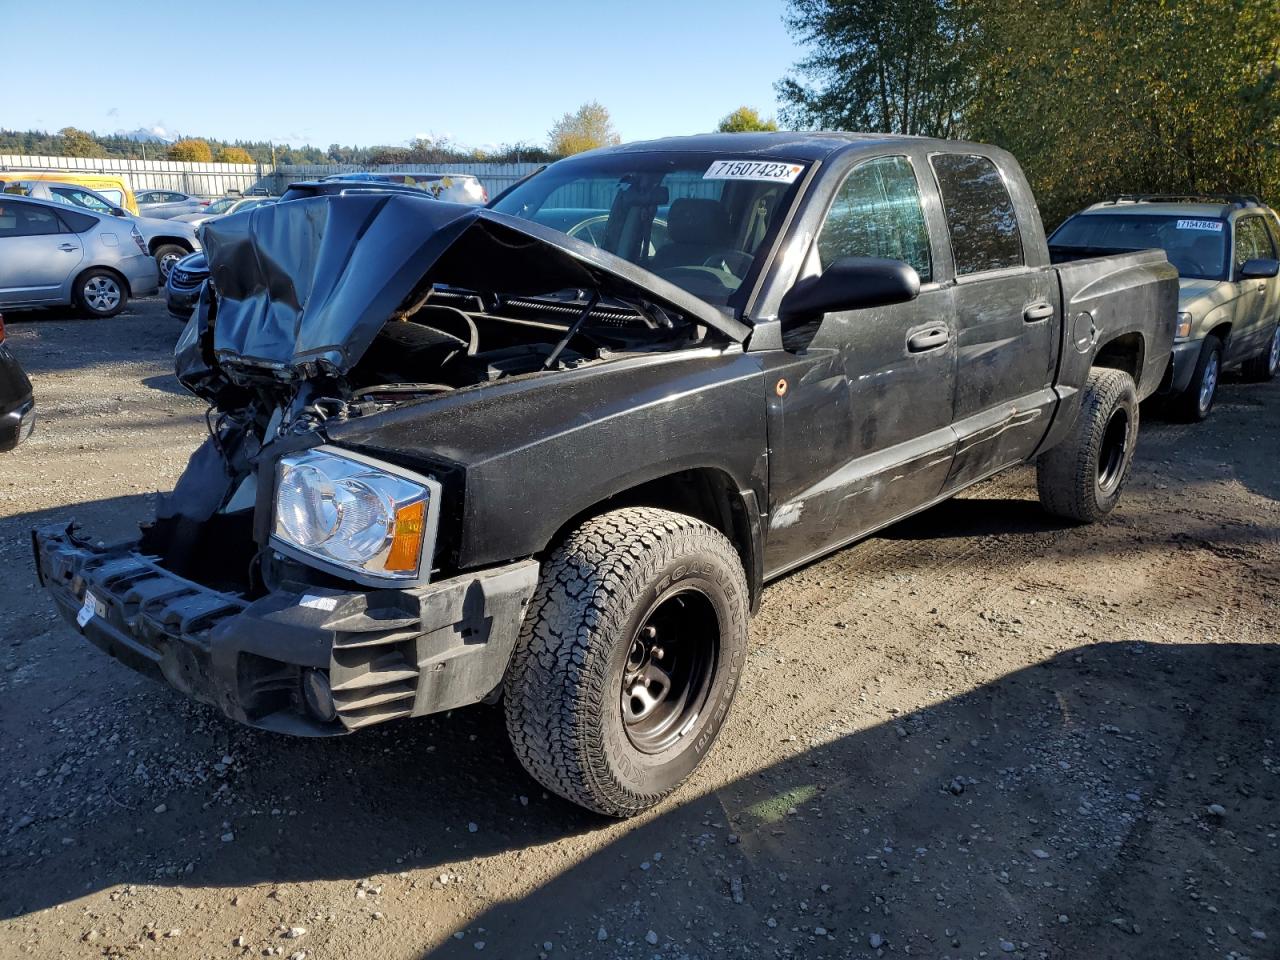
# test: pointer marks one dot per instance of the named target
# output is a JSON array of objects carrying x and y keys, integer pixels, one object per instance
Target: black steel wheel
[
  {"x": 1081, "y": 478},
  {"x": 628, "y": 659}
]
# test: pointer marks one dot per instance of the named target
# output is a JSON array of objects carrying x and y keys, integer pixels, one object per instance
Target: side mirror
[
  {"x": 118, "y": 212},
  {"x": 852, "y": 283},
  {"x": 1259, "y": 269}
]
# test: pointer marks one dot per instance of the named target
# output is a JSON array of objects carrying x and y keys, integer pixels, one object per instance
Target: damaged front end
[{"x": 308, "y": 588}]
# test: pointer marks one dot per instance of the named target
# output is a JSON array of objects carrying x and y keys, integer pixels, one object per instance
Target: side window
[
  {"x": 877, "y": 213},
  {"x": 980, "y": 215},
  {"x": 1252, "y": 240},
  {"x": 24, "y": 220},
  {"x": 79, "y": 198}
]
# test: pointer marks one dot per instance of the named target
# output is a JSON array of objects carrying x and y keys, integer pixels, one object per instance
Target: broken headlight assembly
[{"x": 355, "y": 517}]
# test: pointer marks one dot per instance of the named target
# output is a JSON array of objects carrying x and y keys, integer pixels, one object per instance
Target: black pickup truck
[{"x": 549, "y": 452}]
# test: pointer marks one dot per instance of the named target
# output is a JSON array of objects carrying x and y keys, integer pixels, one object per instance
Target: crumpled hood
[{"x": 306, "y": 285}]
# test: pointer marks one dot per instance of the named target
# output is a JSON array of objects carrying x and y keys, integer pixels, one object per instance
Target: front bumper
[
  {"x": 181, "y": 301},
  {"x": 17, "y": 424},
  {"x": 1182, "y": 363},
  {"x": 382, "y": 653}
]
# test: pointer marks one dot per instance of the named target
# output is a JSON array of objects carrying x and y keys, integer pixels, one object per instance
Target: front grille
[{"x": 184, "y": 280}]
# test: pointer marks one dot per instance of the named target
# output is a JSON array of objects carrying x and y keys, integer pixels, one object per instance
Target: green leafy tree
[
  {"x": 746, "y": 120},
  {"x": 191, "y": 151},
  {"x": 895, "y": 66},
  {"x": 233, "y": 155},
  {"x": 1098, "y": 98},
  {"x": 586, "y": 129},
  {"x": 78, "y": 143}
]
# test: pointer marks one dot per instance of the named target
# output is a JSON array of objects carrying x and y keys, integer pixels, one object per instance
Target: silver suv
[
  {"x": 52, "y": 254},
  {"x": 1227, "y": 251}
]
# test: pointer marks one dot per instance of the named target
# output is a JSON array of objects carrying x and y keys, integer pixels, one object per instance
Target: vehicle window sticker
[
  {"x": 1215, "y": 226},
  {"x": 768, "y": 171}
]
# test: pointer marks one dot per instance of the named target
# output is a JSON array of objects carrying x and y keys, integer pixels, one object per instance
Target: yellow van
[{"x": 113, "y": 186}]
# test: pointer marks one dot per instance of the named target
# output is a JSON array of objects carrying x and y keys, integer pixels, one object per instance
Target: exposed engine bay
[{"x": 325, "y": 310}]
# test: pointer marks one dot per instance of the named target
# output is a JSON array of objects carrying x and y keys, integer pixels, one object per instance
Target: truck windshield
[
  {"x": 700, "y": 221},
  {"x": 1197, "y": 246}
]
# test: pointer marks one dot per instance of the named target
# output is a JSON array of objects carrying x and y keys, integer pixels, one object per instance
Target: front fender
[{"x": 522, "y": 457}]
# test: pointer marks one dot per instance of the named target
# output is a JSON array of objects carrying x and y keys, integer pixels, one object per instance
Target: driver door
[{"x": 860, "y": 420}]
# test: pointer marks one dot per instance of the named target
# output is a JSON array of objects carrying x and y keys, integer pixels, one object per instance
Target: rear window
[
  {"x": 1197, "y": 246},
  {"x": 980, "y": 215}
]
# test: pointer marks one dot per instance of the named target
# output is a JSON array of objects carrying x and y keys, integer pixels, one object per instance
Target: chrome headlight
[
  {"x": 1183, "y": 329},
  {"x": 356, "y": 516}
]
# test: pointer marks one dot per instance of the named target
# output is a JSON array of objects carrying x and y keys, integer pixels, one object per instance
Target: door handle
[
  {"x": 1037, "y": 312},
  {"x": 929, "y": 339},
  {"x": 68, "y": 247}
]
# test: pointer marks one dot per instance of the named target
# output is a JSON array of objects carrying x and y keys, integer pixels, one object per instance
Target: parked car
[
  {"x": 453, "y": 187},
  {"x": 167, "y": 240},
  {"x": 113, "y": 187},
  {"x": 163, "y": 204},
  {"x": 1227, "y": 251},
  {"x": 182, "y": 286},
  {"x": 182, "y": 291},
  {"x": 461, "y": 456},
  {"x": 224, "y": 207},
  {"x": 17, "y": 406},
  {"x": 53, "y": 253}
]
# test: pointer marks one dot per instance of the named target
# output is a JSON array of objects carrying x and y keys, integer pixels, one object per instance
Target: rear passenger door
[
  {"x": 1256, "y": 300},
  {"x": 38, "y": 253},
  {"x": 1006, "y": 320}
]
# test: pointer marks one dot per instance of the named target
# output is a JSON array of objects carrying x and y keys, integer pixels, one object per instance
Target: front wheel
[
  {"x": 166, "y": 256},
  {"x": 1081, "y": 478},
  {"x": 1196, "y": 401},
  {"x": 628, "y": 659}
]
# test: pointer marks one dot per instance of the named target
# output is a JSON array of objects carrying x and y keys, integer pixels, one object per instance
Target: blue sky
[{"x": 384, "y": 72}]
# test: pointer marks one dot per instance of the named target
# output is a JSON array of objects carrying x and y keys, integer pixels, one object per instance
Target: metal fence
[{"x": 217, "y": 179}]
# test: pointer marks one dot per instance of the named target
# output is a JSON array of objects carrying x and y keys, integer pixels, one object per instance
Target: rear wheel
[
  {"x": 628, "y": 659},
  {"x": 1194, "y": 404},
  {"x": 1265, "y": 365},
  {"x": 100, "y": 293},
  {"x": 166, "y": 256},
  {"x": 1081, "y": 478}
]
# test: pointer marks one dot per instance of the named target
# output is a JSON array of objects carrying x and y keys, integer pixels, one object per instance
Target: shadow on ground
[{"x": 1061, "y": 811}]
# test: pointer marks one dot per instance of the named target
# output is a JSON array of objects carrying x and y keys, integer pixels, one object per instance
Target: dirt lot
[{"x": 980, "y": 735}]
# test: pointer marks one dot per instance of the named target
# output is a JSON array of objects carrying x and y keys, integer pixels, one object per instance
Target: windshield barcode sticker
[
  {"x": 1213, "y": 225},
  {"x": 766, "y": 170}
]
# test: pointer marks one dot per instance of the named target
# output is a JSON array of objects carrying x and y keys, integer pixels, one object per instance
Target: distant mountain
[{"x": 144, "y": 135}]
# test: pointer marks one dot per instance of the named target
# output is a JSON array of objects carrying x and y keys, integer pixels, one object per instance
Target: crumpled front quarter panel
[{"x": 533, "y": 453}]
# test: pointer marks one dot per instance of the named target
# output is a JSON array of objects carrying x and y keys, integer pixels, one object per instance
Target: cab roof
[{"x": 783, "y": 145}]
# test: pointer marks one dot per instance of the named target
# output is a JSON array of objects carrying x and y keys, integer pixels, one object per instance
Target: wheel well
[
  {"x": 706, "y": 493},
  {"x": 1222, "y": 331},
  {"x": 1126, "y": 352},
  {"x": 124, "y": 281},
  {"x": 158, "y": 242}
]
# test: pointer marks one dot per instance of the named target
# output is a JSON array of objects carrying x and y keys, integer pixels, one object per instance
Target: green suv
[{"x": 1226, "y": 250}]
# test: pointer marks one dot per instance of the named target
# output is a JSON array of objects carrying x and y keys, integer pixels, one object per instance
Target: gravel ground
[{"x": 982, "y": 734}]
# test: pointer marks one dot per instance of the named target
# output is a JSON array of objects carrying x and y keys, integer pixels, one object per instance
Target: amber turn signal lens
[{"x": 406, "y": 544}]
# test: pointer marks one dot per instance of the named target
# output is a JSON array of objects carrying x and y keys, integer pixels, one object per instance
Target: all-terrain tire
[
  {"x": 1081, "y": 478},
  {"x": 1195, "y": 403},
  {"x": 100, "y": 293},
  {"x": 599, "y": 592},
  {"x": 1266, "y": 364}
]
